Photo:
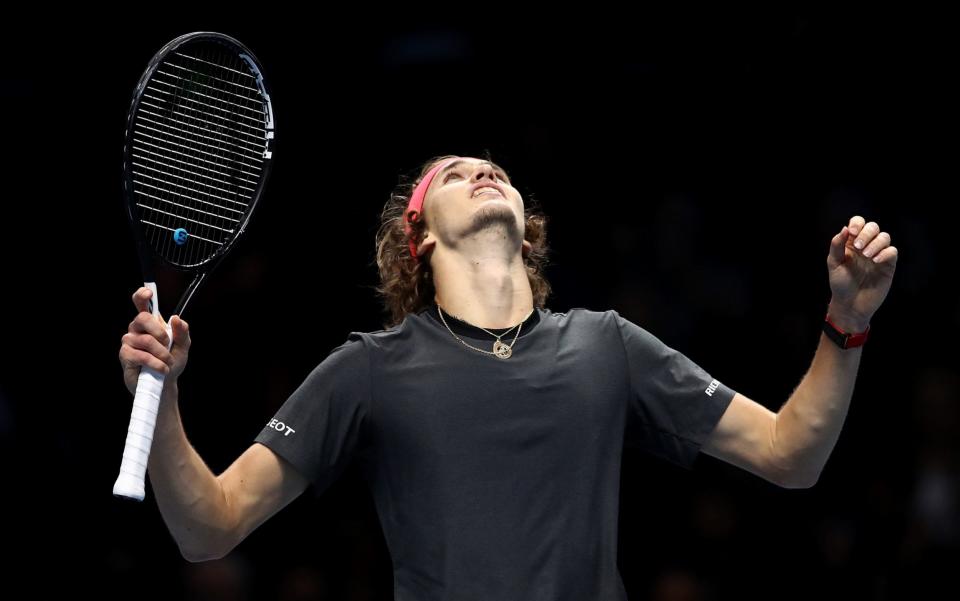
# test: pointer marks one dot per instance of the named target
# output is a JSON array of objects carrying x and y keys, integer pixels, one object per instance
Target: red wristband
[{"x": 844, "y": 340}]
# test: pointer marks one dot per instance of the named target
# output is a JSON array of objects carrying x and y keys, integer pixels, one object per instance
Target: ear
[
  {"x": 526, "y": 248},
  {"x": 426, "y": 245}
]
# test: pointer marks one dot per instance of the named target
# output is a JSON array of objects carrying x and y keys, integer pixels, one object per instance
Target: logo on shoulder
[
  {"x": 279, "y": 426},
  {"x": 712, "y": 387}
]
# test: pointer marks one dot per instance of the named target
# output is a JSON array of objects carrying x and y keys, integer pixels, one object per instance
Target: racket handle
[{"x": 143, "y": 421}]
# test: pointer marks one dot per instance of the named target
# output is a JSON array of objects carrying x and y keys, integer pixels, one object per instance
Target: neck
[{"x": 489, "y": 289}]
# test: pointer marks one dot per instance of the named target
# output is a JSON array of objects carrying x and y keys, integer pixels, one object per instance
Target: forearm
[
  {"x": 809, "y": 423},
  {"x": 190, "y": 497}
]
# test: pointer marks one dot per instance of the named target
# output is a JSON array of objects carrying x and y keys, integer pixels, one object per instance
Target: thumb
[
  {"x": 181, "y": 332},
  {"x": 838, "y": 248}
]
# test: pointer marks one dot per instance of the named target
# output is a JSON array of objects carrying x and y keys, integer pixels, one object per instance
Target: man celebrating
[{"x": 489, "y": 428}]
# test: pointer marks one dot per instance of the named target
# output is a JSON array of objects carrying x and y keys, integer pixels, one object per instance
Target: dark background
[{"x": 693, "y": 167}]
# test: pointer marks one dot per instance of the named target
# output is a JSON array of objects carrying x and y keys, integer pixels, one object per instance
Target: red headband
[{"x": 414, "y": 208}]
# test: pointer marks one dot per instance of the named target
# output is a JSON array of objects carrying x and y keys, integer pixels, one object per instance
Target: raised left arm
[{"x": 791, "y": 447}]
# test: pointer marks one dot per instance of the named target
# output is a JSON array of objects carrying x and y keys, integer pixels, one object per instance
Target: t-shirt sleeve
[
  {"x": 674, "y": 404},
  {"x": 321, "y": 427}
]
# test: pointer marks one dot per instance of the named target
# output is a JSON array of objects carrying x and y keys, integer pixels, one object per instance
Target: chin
[{"x": 493, "y": 214}]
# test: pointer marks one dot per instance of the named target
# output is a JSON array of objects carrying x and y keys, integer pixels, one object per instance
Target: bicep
[
  {"x": 256, "y": 486},
  {"x": 745, "y": 437}
]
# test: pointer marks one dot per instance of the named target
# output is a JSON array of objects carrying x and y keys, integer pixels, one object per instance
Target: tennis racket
[{"x": 196, "y": 157}]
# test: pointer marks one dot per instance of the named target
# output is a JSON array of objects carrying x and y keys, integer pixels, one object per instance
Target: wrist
[
  {"x": 845, "y": 331},
  {"x": 169, "y": 387},
  {"x": 847, "y": 320},
  {"x": 168, "y": 413},
  {"x": 168, "y": 397}
]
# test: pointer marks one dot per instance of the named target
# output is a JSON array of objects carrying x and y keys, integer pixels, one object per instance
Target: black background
[{"x": 693, "y": 167}]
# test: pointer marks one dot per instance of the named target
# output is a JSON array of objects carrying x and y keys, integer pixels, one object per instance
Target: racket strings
[{"x": 198, "y": 147}]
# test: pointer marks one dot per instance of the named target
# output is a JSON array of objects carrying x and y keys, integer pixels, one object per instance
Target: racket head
[{"x": 198, "y": 150}]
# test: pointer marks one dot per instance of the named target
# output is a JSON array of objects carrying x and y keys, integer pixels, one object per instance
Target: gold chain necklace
[{"x": 500, "y": 350}]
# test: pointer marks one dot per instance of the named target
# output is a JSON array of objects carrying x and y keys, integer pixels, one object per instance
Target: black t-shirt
[{"x": 498, "y": 478}]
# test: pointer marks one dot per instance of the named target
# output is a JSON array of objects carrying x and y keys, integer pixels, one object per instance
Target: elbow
[
  {"x": 200, "y": 556},
  {"x": 194, "y": 556},
  {"x": 799, "y": 480},
  {"x": 785, "y": 471},
  {"x": 197, "y": 554},
  {"x": 787, "y": 475},
  {"x": 210, "y": 540}
]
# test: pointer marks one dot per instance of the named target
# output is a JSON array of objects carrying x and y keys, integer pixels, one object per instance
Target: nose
[{"x": 483, "y": 170}]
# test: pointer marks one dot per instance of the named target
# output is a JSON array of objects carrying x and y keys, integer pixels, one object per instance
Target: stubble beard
[{"x": 495, "y": 217}]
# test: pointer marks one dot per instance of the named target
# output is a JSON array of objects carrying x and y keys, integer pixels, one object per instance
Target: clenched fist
[{"x": 146, "y": 343}]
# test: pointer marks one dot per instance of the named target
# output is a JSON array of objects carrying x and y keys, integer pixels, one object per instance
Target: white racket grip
[
  {"x": 136, "y": 450},
  {"x": 143, "y": 421}
]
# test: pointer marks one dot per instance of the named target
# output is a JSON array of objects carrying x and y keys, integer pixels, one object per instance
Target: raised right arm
[{"x": 207, "y": 515}]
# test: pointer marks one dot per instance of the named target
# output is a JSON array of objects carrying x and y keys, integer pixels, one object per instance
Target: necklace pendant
[{"x": 501, "y": 350}]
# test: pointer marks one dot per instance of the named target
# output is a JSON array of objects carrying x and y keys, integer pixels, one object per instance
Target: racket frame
[{"x": 130, "y": 484}]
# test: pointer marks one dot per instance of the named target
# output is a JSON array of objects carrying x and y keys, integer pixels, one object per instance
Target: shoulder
[
  {"x": 580, "y": 324},
  {"x": 348, "y": 358},
  {"x": 413, "y": 325},
  {"x": 582, "y": 317},
  {"x": 610, "y": 323}
]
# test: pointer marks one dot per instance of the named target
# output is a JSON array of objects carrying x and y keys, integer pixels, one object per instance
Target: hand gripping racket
[{"x": 196, "y": 156}]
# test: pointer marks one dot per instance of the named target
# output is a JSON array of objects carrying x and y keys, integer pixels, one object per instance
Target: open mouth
[{"x": 486, "y": 192}]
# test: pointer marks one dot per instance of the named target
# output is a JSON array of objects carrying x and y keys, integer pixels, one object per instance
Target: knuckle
[
  {"x": 137, "y": 357},
  {"x": 154, "y": 363},
  {"x": 146, "y": 342}
]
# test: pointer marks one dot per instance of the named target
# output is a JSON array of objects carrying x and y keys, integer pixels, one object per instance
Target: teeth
[{"x": 485, "y": 189}]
